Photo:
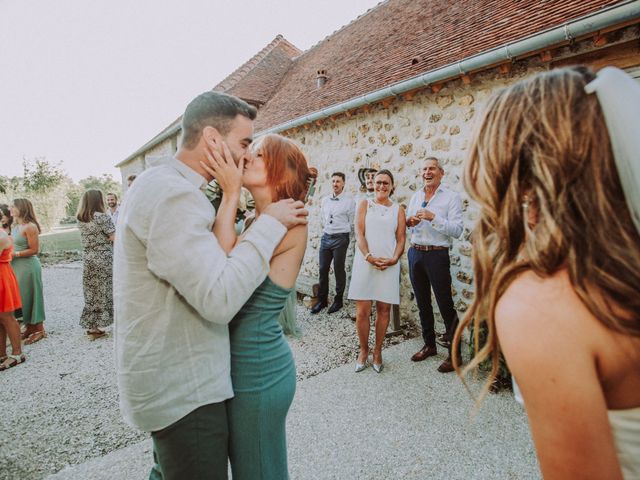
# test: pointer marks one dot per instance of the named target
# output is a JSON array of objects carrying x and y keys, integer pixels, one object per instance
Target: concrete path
[{"x": 409, "y": 422}]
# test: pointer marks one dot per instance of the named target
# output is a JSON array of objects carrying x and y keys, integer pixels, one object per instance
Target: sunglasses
[{"x": 424, "y": 204}]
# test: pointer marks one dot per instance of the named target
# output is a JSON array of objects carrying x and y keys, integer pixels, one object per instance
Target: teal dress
[
  {"x": 264, "y": 383},
  {"x": 28, "y": 272}
]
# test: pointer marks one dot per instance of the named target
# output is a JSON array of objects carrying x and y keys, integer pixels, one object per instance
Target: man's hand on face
[
  {"x": 223, "y": 168},
  {"x": 288, "y": 212}
]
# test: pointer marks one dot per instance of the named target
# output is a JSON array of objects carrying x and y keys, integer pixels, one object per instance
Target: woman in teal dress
[
  {"x": 28, "y": 270},
  {"x": 262, "y": 367}
]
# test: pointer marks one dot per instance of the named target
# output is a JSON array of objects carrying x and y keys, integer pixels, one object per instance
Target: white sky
[{"x": 88, "y": 82}]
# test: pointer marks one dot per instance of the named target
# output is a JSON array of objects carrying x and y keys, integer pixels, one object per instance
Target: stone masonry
[{"x": 398, "y": 137}]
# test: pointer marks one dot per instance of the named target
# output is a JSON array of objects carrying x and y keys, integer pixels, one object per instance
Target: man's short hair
[
  {"x": 435, "y": 160},
  {"x": 111, "y": 193},
  {"x": 212, "y": 109},
  {"x": 339, "y": 174}
]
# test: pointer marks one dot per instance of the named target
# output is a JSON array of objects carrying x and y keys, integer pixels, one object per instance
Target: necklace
[{"x": 385, "y": 208}]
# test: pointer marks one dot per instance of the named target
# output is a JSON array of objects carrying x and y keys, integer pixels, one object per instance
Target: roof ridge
[{"x": 239, "y": 73}]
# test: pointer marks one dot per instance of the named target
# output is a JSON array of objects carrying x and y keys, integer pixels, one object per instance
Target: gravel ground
[{"x": 60, "y": 408}]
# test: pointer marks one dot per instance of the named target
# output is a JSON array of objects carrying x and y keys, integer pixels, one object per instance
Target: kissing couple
[{"x": 201, "y": 359}]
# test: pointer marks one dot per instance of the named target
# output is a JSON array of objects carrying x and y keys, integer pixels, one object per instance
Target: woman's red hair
[{"x": 288, "y": 174}]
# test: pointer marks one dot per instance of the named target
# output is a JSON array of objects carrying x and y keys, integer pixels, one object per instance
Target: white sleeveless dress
[
  {"x": 625, "y": 426},
  {"x": 368, "y": 283}
]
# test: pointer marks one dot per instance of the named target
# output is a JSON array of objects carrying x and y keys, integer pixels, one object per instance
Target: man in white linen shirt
[
  {"x": 434, "y": 218},
  {"x": 337, "y": 215},
  {"x": 175, "y": 291},
  {"x": 112, "y": 207}
]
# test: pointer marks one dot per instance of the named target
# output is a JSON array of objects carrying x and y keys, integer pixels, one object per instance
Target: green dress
[
  {"x": 28, "y": 272},
  {"x": 264, "y": 382}
]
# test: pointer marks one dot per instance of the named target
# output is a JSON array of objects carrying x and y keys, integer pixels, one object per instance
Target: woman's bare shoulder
[
  {"x": 528, "y": 289},
  {"x": 295, "y": 238},
  {"x": 542, "y": 310},
  {"x": 30, "y": 229},
  {"x": 298, "y": 231}
]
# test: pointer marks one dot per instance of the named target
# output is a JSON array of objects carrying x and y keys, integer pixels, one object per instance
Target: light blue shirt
[
  {"x": 446, "y": 205},
  {"x": 338, "y": 213}
]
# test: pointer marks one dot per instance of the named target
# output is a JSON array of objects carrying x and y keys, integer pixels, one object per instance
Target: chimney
[{"x": 321, "y": 78}]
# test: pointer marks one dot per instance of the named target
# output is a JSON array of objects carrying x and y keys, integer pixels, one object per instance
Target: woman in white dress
[
  {"x": 555, "y": 171},
  {"x": 375, "y": 276}
]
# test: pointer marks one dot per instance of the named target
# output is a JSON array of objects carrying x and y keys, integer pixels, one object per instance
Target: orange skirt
[{"x": 9, "y": 293}]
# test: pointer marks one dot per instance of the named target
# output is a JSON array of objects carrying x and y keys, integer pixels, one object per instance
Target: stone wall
[
  {"x": 134, "y": 166},
  {"x": 398, "y": 137},
  {"x": 151, "y": 157}
]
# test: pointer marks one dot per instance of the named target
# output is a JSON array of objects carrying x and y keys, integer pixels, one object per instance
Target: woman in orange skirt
[{"x": 9, "y": 298}]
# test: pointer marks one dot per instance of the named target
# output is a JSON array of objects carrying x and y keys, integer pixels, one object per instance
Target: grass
[{"x": 68, "y": 239}]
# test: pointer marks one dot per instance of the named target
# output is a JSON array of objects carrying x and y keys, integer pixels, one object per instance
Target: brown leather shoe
[
  {"x": 424, "y": 353},
  {"x": 447, "y": 366}
]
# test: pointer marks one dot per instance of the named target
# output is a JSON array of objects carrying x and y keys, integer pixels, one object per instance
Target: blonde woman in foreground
[{"x": 554, "y": 167}]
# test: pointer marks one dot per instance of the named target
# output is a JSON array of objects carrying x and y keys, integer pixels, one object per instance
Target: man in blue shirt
[
  {"x": 338, "y": 211},
  {"x": 434, "y": 218}
]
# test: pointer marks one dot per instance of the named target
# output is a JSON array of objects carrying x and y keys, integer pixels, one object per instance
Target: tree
[
  {"x": 74, "y": 193},
  {"x": 104, "y": 182},
  {"x": 46, "y": 185},
  {"x": 8, "y": 188},
  {"x": 40, "y": 176}
]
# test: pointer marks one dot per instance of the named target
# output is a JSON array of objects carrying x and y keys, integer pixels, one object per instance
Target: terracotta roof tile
[
  {"x": 394, "y": 41},
  {"x": 256, "y": 80},
  {"x": 378, "y": 48}
]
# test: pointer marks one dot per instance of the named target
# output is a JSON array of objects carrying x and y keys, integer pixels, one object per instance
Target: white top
[
  {"x": 367, "y": 282},
  {"x": 447, "y": 223},
  {"x": 338, "y": 213},
  {"x": 113, "y": 215},
  {"x": 175, "y": 290},
  {"x": 363, "y": 196},
  {"x": 625, "y": 426}
]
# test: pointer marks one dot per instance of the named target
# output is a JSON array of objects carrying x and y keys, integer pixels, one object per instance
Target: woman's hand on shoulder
[{"x": 544, "y": 334}]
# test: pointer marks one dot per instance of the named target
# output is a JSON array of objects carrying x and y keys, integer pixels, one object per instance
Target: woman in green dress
[
  {"x": 28, "y": 270},
  {"x": 262, "y": 367}
]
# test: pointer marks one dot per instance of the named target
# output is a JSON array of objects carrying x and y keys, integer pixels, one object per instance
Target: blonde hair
[{"x": 545, "y": 139}]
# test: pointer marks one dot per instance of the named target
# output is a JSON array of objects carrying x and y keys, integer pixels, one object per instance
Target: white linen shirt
[
  {"x": 337, "y": 215},
  {"x": 175, "y": 291},
  {"x": 446, "y": 205},
  {"x": 114, "y": 215}
]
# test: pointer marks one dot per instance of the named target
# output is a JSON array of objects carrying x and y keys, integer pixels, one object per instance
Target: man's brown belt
[{"x": 426, "y": 248}]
